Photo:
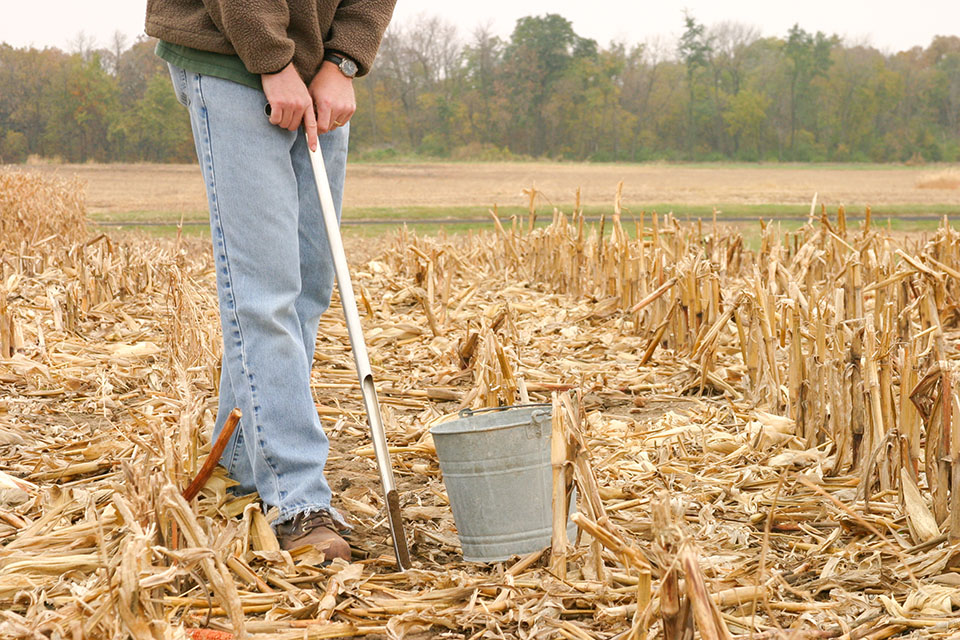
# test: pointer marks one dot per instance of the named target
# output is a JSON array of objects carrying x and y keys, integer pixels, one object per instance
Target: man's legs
[
  {"x": 316, "y": 276},
  {"x": 255, "y": 196}
]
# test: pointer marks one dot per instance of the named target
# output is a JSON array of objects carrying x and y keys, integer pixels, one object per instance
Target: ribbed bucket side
[{"x": 496, "y": 468}]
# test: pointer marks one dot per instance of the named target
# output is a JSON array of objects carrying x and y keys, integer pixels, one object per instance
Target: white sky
[{"x": 885, "y": 24}]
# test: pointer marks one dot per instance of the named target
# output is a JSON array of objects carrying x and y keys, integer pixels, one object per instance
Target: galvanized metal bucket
[{"x": 496, "y": 468}]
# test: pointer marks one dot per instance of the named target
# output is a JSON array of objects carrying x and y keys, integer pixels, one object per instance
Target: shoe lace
[{"x": 303, "y": 523}]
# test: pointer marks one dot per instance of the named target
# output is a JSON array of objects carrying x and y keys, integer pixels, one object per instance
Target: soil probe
[{"x": 359, "y": 347}]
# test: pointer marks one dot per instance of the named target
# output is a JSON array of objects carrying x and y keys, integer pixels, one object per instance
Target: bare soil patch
[
  {"x": 942, "y": 180},
  {"x": 179, "y": 188}
]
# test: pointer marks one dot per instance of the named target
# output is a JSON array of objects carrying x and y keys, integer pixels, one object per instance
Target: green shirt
[{"x": 219, "y": 65}]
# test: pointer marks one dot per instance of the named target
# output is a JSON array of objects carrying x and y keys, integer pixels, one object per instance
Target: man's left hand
[{"x": 333, "y": 97}]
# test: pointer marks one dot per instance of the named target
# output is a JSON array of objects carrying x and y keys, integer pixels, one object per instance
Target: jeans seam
[
  {"x": 235, "y": 453},
  {"x": 234, "y": 316},
  {"x": 184, "y": 96}
]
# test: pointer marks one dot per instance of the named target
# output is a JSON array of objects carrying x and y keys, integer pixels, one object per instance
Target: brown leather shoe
[{"x": 318, "y": 529}]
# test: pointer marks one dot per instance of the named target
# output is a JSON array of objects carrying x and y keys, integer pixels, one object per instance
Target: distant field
[{"x": 393, "y": 193}]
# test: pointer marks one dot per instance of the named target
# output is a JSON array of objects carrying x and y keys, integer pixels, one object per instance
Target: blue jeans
[{"x": 274, "y": 280}]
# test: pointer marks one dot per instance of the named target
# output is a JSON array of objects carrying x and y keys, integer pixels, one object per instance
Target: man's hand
[
  {"x": 291, "y": 102},
  {"x": 332, "y": 94}
]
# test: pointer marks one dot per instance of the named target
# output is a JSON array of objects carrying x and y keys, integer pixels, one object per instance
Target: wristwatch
[{"x": 347, "y": 66}]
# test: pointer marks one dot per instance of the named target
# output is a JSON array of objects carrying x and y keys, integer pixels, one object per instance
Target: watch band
[{"x": 347, "y": 66}]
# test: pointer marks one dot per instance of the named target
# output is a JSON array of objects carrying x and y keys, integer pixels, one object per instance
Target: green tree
[
  {"x": 13, "y": 147},
  {"x": 486, "y": 108},
  {"x": 422, "y": 57},
  {"x": 694, "y": 49},
  {"x": 947, "y": 95},
  {"x": 809, "y": 58},
  {"x": 728, "y": 61},
  {"x": 857, "y": 95},
  {"x": 746, "y": 120},
  {"x": 540, "y": 51},
  {"x": 25, "y": 76},
  {"x": 79, "y": 103},
  {"x": 162, "y": 125},
  {"x": 652, "y": 84}
]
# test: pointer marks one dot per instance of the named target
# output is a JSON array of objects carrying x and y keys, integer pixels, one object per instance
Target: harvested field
[
  {"x": 179, "y": 188},
  {"x": 942, "y": 180},
  {"x": 766, "y": 444}
]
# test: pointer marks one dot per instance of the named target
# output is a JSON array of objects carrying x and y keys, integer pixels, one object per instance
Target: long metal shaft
[{"x": 362, "y": 360}]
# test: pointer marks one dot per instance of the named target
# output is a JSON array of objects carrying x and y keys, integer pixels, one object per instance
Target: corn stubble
[{"x": 764, "y": 443}]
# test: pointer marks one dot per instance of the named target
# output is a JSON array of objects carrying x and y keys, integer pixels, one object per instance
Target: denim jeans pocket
[{"x": 179, "y": 78}]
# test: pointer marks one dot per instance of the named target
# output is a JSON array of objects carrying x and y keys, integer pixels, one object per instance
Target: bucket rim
[{"x": 519, "y": 416}]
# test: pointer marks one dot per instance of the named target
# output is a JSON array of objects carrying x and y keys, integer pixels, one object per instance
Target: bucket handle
[
  {"x": 534, "y": 430},
  {"x": 466, "y": 413}
]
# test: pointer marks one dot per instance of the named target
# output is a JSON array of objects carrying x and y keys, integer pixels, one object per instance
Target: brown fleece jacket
[{"x": 268, "y": 34}]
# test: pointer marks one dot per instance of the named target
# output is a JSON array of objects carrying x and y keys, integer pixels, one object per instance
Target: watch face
[{"x": 348, "y": 67}]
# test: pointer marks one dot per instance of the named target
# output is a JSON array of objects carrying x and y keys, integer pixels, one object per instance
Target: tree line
[{"x": 721, "y": 92}]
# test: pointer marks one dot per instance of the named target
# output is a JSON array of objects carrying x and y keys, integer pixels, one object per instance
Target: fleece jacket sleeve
[
  {"x": 357, "y": 29},
  {"x": 257, "y": 29}
]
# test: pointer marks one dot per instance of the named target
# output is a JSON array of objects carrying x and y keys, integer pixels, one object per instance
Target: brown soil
[{"x": 122, "y": 188}]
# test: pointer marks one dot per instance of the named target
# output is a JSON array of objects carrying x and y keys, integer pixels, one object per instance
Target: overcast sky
[{"x": 887, "y": 25}]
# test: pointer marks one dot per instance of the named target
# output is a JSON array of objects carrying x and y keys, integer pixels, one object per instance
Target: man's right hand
[{"x": 290, "y": 102}]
